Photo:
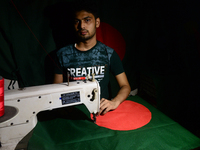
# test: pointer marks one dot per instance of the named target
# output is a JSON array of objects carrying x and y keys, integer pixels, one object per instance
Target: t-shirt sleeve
[{"x": 116, "y": 64}]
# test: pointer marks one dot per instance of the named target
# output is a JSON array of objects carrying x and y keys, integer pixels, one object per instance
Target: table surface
[{"x": 78, "y": 133}]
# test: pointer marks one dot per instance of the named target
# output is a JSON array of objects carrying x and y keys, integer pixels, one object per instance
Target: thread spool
[{"x": 1, "y": 96}]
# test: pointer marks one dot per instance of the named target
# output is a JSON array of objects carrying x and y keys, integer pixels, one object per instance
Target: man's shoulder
[
  {"x": 66, "y": 49},
  {"x": 101, "y": 45}
]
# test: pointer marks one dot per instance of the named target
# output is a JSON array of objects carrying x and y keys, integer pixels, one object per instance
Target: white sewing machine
[{"x": 22, "y": 106}]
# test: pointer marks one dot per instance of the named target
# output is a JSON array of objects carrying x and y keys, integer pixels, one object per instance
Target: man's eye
[
  {"x": 87, "y": 20},
  {"x": 76, "y": 21}
]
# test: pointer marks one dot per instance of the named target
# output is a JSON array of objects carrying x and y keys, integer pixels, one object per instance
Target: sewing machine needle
[{"x": 94, "y": 118}]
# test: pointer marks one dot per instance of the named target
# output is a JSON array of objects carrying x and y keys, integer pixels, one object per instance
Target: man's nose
[{"x": 82, "y": 25}]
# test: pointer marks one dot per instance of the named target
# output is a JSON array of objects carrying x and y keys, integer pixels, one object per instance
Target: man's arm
[
  {"x": 58, "y": 78},
  {"x": 107, "y": 105}
]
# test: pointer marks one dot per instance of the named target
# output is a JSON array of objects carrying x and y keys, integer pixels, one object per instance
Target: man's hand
[
  {"x": 107, "y": 105},
  {"x": 58, "y": 78}
]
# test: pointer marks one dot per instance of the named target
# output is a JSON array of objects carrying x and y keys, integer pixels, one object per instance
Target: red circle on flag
[
  {"x": 128, "y": 116},
  {"x": 112, "y": 38}
]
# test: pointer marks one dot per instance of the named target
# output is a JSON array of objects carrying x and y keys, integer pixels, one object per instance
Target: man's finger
[
  {"x": 102, "y": 100},
  {"x": 102, "y": 108},
  {"x": 104, "y": 111}
]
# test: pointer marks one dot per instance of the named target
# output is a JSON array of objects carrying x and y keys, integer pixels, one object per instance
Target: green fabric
[{"x": 161, "y": 133}]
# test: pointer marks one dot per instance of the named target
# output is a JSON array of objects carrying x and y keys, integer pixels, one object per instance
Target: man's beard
[{"x": 86, "y": 37}]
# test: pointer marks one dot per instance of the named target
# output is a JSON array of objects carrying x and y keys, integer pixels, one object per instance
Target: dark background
[{"x": 162, "y": 48}]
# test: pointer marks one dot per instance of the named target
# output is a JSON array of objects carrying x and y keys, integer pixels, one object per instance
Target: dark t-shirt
[{"x": 100, "y": 60}]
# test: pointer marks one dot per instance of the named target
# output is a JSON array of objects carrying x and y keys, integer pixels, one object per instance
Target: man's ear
[{"x": 97, "y": 22}]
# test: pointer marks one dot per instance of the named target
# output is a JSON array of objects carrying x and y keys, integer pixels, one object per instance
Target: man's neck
[{"x": 86, "y": 45}]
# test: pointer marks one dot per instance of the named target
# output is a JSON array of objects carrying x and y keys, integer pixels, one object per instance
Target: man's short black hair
[{"x": 87, "y": 5}]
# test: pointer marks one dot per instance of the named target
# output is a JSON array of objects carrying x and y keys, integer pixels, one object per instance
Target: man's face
[{"x": 85, "y": 25}]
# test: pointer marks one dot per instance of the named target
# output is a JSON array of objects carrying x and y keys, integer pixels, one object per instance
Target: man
[{"x": 88, "y": 56}]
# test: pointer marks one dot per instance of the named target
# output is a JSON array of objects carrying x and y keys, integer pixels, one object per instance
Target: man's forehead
[{"x": 83, "y": 14}]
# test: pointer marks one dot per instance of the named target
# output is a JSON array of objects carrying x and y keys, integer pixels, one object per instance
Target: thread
[{"x": 1, "y": 96}]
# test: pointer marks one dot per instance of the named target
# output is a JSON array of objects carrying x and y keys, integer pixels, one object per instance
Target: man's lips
[{"x": 83, "y": 32}]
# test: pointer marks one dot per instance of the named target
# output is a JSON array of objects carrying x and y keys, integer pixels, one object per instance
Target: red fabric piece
[
  {"x": 1, "y": 97},
  {"x": 112, "y": 38},
  {"x": 128, "y": 116}
]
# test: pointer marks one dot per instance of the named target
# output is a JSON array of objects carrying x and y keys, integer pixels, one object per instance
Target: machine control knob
[{"x": 94, "y": 95}]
